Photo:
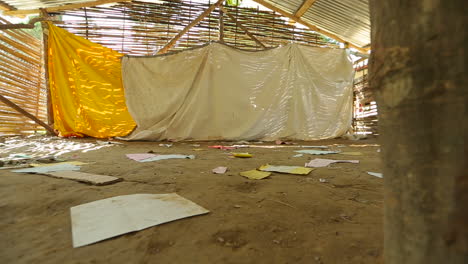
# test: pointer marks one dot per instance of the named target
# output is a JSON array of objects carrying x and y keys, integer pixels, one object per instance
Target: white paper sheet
[
  {"x": 50, "y": 168},
  {"x": 111, "y": 217},
  {"x": 376, "y": 174},
  {"x": 317, "y": 152},
  {"x": 317, "y": 163}
]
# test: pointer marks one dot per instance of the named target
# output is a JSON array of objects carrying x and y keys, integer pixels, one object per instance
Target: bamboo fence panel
[
  {"x": 21, "y": 81},
  {"x": 142, "y": 28}
]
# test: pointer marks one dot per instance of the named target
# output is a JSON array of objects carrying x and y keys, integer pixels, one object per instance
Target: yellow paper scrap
[
  {"x": 286, "y": 169},
  {"x": 255, "y": 174},
  {"x": 198, "y": 149},
  {"x": 351, "y": 153},
  {"x": 242, "y": 155}
]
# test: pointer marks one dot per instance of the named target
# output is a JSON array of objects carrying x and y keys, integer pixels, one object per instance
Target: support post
[
  {"x": 221, "y": 26},
  {"x": 45, "y": 46},
  {"x": 234, "y": 20},
  {"x": 205, "y": 13},
  {"x": 27, "y": 114},
  {"x": 418, "y": 70}
]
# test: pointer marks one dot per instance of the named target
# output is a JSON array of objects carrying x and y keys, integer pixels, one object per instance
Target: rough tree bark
[{"x": 418, "y": 69}]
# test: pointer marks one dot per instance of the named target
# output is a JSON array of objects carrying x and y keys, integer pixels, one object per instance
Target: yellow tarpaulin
[{"x": 86, "y": 87}]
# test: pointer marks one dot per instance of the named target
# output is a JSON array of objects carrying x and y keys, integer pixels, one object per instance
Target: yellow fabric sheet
[{"x": 86, "y": 87}]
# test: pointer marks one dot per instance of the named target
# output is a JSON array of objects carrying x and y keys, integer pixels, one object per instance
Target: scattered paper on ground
[
  {"x": 77, "y": 163},
  {"x": 198, "y": 149},
  {"x": 317, "y": 163},
  {"x": 111, "y": 217},
  {"x": 255, "y": 174},
  {"x": 241, "y": 146},
  {"x": 147, "y": 157},
  {"x": 317, "y": 152},
  {"x": 242, "y": 155},
  {"x": 376, "y": 174},
  {"x": 140, "y": 156},
  {"x": 222, "y": 147},
  {"x": 219, "y": 170},
  {"x": 50, "y": 168},
  {"x": 286, "y": 169},
  {"x": 85, "y": 177},
  {"x": 351, "y": 153},
  {"x": 298, "y": 155}
]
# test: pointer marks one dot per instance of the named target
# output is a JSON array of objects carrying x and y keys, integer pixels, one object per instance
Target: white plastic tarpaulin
[{"x": 217, "y": 92}]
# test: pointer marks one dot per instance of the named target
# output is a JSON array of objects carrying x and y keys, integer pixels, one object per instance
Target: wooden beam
[
  {"x": 62, "y": 7},
  {"x": 252, "y": 36},
  {"x": 27, "y": 114},
  {"x": 310, "y": 26},
  {"x": 304, "y": 7},
  {"x": 30, "y": 24},
  {"x": 205, "y": 13},
  {"x": 6, "y": 7}
]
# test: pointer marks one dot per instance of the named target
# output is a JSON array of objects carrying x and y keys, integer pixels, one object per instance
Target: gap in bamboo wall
[{"x": 365, "y": 119}]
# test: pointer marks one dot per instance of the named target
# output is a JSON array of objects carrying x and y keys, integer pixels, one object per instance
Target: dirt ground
[{"x": 280, "y": 219}]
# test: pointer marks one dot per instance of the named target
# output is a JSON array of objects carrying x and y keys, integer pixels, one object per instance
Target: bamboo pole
[
  {"x": 45, "y": 45},
  {"x": 27, "y": 114},
  {"x": 62, "y": 7},
  {"x": 189, "y": 26},
  {"x": 252, "y": 36},
  {"x": 221, "y": 26}
]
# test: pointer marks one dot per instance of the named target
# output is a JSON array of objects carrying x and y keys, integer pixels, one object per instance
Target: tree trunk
[{"x": 418, "y": 69}]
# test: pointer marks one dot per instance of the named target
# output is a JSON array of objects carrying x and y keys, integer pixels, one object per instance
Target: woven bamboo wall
[
  {"x": 21, "y": 81},
  {"x": 141, "y": 28},
  {"x": 365, "y": 108}
]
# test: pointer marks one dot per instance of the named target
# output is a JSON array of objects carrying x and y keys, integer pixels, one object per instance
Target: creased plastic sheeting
[
  {"x": 217, "y": 92},
  {"x": 86, "y": 87}
]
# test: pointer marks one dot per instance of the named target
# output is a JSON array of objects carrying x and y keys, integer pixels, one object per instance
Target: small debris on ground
[
  {"x": 255, "y": 174},
  {"x": 219, "y": 170}
]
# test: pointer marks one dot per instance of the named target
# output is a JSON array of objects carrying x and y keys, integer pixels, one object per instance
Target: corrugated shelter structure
[{"x": 149, "y": 27}]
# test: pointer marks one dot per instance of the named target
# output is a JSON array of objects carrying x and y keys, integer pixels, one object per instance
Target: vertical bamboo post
[
  {"x": 45, "y": 54},
  {"x": 221, "y": 26}
]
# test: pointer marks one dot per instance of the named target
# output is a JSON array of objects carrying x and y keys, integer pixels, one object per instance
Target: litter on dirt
[
  {"x": 255, "y": 174},
  {"x": 100, "y": 142},
  {"x": 94, "y": 179},
  {"x": 317, "y": 163},
  {"x": 198, "y": 149},
  {"x": 376, "y": 174},
  {"x": 242, "y": 155},
  {"x": 219, "y": 170},
  {"x": 222, "y": 147},
  {"x": 286, "y": 169},
  {"x": 95, "y": 221},
  {"x": 50, "y": 168},
  {"x": 147, "y": 157},
  {"x": 351, "y": 153},
  {"x": 317, "y": 152}
]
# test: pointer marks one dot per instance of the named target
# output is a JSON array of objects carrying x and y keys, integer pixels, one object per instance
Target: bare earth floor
[{"x": 280, "y": 219}]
